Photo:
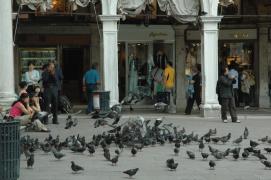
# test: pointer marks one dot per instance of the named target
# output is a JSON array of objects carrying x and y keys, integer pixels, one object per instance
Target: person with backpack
[{"x": 226, "y": 95}]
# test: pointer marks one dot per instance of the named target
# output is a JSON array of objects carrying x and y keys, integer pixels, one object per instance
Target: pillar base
[
  {"x": 211, "y": 110},
  {"x": 6, "y": 99}
]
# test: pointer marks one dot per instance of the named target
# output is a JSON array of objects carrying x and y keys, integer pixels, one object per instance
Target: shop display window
[
  {"x": 140, "y": 64},
  {"x": 39, "y": 56}
]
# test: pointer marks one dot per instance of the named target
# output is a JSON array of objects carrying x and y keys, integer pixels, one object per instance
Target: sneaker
[
  {"x": 237, "y": 121},
  {"x": 246, "y": 107},
  {"x": 225, "y": 121}
]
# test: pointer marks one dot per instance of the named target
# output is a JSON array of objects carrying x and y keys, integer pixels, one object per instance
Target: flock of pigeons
[{"x": 138, "y": 134}]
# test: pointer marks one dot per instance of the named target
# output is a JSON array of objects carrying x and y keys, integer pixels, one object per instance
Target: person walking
[
  {"x": 50, "y": 93},
  {"x": 90, "y": 81},
  {"x": 233, "y": 72},
  {"x": 169, "y": 83},
  {"x": 32, "y": 76},
  {"x": 196, "y": 82},
  {"x": 226, "y": 94},
  {"x": 245, "y": 88}
]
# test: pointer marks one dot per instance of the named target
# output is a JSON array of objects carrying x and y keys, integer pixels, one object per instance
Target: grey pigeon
[
  {"x": 131, "y": 172},
  {"x": 190, "y": 154},
  {"x": 204, "y": 155},
  {"x": 268, "y": 150},
  {"x": 264, "y": 139},
  {"x": 246, "y": 133},
  {"x": 267, "y": 164},
  {"x": 176, "y": 151},
  {"x": 76, "y": 168},
  {"x": 58, "y": 155},
  {"x": 238, "y": 140},
  {"x": 115, "y": 160},
  {"x": 201, "y": 146},
  {"x": 212, "y": 164},
  {"x": 30, "y": 161},
  {"x": 253, "y": 143},
  {"x": 173, "y": 166}
]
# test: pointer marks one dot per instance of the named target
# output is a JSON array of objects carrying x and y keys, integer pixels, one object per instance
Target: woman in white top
[{"x": 32, "y": 76}]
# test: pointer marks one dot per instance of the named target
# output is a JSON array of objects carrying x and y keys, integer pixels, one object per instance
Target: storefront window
[
  {"x": 240, "y": 56},
  {"x": 141, "y": 66},
  {"x": 193, "y": 56}
]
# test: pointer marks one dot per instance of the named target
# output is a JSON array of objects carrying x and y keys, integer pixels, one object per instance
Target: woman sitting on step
[{"x": 20, "y": 110}]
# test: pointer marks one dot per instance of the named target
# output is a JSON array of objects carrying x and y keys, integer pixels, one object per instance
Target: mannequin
[{"x": 133, "y": 75}]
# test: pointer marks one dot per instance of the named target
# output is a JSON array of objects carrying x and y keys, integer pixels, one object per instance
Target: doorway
[{"x": 73, "y": 60}]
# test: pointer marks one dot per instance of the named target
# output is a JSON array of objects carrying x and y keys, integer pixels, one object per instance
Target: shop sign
[
  {"x": 141, "y": 33},
  {"x": 226, "y": 34}
]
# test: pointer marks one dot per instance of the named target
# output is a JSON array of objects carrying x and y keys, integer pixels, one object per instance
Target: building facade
[{"x": 113, "y": 44}]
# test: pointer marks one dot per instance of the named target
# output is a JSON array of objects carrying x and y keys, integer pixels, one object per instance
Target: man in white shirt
[{"x": 234, "y": 73}]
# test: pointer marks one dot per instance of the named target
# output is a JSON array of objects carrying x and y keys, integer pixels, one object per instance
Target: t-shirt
[
  {"x": 15, "y": 110},
  {"x": 169, "y": 77},
  {"x": 91, "y": 76}
]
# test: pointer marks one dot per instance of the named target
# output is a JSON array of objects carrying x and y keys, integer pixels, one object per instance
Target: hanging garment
[{"x": 133, "y": 76}]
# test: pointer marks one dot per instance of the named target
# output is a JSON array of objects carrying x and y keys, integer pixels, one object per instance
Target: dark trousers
[
  {"x": 90, "y": 89},
  {"x": 246, "y": 99},
  {"x": 51, "y": 98},
  {"x": 190, "y": 103},
  {"x": 228, "y": 104},
  {"x": 236, "y": 96}
]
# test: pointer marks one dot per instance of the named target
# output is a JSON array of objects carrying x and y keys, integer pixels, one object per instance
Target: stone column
[
  {"x": 180, "y": 66},
  {"x": 263, "y": 68},
  {"x": 209, "y": 65},
  {"x": 110, "y": 56},
  {"x": 7, "y": 90}
]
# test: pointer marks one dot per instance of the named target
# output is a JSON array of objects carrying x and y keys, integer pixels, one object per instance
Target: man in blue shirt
[{"x": 90, "y": 81}]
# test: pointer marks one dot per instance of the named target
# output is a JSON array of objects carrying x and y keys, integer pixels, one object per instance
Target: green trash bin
[
  {"x": 10, "y": 150},
  {"x": 101, "y": 100}
]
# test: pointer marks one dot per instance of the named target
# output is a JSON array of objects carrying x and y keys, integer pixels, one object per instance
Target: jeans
[
  {"x": 90, "y": 89},
  {"x": 228, "y": 104},
  {"x": 51, "y": 97}
]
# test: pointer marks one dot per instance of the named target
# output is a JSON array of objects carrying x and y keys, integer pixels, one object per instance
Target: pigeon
[
  {"x": 215, "y": 140},
  {"x": 190, "y": 154},
  {"x": 204, "y": 155},
  {"x": 117, "y": 152},
  {"x": 176, "y": 151},
  {"x": 245, "y": 154},
  {"x": 225, "y": 139},
  {"x": 235, "y": 151},
  {"x": 235, "y": 156},
  {"x": 30, "y": 161},
  {"x": 169, "y": 161},
  {"x": 58, "y": 155},
  {"x": 267, "y": 164},
  {"x": 253, "y": 143},
  {"x": 177, "y": 145},
  {"x": 133, "y": 151},
  {"x": 201, "y": 146},
  {"x": 264, "y": 139},
  {"x": 246, "y": 133},
  {"x": 76, "y": 168},
  {"x": 212, "y": 164},
  {"x": 238, "y": 140},
  {"x": 173, "y": 166},
  {"x": 268, "y": 150},
  {"x": 260, "y": 156},
  {"x": 107, "y": 155},
  {"x": 218, "y": 155},
  {"x": 115, "y": 160},
  {"x": 131, "y": 172},
  {"x": 46, "y": 148},
  {"x": 91, "y": 150}
]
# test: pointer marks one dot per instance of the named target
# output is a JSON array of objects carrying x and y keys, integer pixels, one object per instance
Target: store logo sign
[{"x": 157, "y": 34}]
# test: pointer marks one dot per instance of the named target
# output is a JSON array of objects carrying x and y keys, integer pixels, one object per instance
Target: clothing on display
[{"x": 133, "y": 75}]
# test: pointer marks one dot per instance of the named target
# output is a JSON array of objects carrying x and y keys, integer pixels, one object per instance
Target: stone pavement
[{"x": 151, "y": 161}]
